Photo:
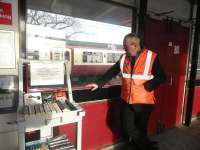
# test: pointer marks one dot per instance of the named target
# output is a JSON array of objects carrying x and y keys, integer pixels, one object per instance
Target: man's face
[{"x": 132, "y": 46}]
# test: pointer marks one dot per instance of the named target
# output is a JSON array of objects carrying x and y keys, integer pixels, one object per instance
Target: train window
[{"x": 88, "y": 33}]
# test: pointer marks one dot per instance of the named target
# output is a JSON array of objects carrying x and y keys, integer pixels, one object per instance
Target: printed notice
[
  {"x": 7, "y": 50},
  {"x": 46, "y": 73}
]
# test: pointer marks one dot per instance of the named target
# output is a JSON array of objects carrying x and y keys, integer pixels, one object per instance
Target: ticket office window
[{"x": 88, "y": 33}]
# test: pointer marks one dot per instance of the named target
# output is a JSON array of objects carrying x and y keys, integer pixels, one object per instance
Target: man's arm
[
  {"x": 112, "y": 72},
  {"x": 159, "y": 76}
]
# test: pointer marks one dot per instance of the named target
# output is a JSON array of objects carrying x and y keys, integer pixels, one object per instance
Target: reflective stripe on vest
[{"x": 143, "y": 76}]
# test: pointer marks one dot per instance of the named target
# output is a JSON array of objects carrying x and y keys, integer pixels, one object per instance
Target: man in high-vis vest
[{"x": 141, "y": 75}]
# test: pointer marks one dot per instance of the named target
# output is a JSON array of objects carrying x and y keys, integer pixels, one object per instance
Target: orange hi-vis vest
[{"x": 133, "y": 91}]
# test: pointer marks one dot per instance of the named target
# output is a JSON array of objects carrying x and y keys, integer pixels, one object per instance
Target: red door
[{"x": 170, "y": 41}]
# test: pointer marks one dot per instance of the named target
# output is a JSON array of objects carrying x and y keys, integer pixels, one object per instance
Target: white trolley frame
[{"x": 45, "y": 123}]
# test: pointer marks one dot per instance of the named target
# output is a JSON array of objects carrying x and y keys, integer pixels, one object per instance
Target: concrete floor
[{"x": 184, "y": 138}]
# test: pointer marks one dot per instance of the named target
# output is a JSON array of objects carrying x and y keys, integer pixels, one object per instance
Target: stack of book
[
  {"x": 63, "y": 106},
  {"x": 46, "y": 108},
  {"x": 60, "y": 143},
  {"x": 37, "y": 145}
]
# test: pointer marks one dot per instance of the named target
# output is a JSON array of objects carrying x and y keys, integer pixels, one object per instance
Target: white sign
[
  {"x": 176, "y": 49},
  {"x": 33, "y": 98},
  {"x": 7, "y": 49},
  {"x": 46, "y": 73}
]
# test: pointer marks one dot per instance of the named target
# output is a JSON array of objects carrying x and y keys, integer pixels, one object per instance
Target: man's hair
[{"x": 132, "y": 35}]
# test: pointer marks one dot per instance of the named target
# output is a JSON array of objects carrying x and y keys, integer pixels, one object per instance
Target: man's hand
[{"x": 92, "y": 86}]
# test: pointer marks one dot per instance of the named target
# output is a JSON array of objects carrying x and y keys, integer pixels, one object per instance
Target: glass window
[{"x": 88, "y": 33}]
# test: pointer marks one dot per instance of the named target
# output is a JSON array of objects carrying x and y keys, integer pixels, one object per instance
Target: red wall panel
[{"x": 98, "y": 130}]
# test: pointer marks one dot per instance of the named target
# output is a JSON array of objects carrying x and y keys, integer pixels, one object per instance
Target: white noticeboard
[
  {"x": 7, "y": 49},
  {"x": 46, "y": 73}
]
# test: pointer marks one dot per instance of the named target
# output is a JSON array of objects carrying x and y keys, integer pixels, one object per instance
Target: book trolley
[{"x": 50, "y": 114}]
